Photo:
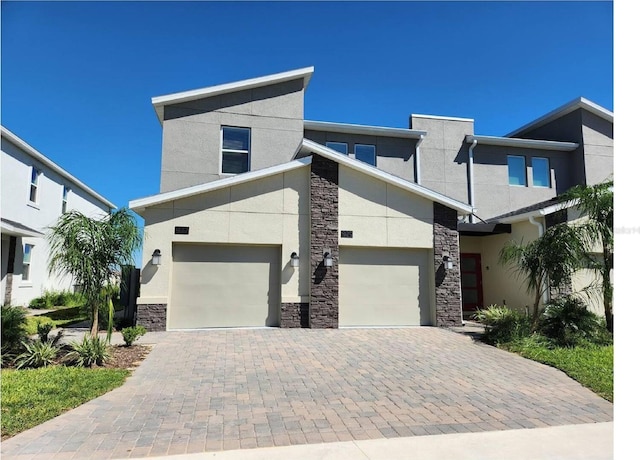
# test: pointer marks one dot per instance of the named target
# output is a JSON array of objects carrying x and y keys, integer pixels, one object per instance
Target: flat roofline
[
  {"x": 349, "y": 128},
  {"x": 439, "y": 117},
  {"x": 191, "y": 95},
  {"x": 538, "y": 144},
  {"x": 53, "y": 166}
]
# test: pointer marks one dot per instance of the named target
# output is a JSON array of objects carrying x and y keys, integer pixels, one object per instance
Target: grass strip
[{"x": 31, "y": 397}]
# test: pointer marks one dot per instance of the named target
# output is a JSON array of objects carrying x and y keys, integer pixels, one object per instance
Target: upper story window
[
  {"x": 235, "y": 149},
  {"x": 366, "y": 153},
  {"x": 341, "y": 147},
  {"x": 540, "y": 169},
  {"x": 517, "y": 170},
  {"x": 35, "y": 178},
  {"x": 65, "y": 197},
  {"x": 26, "y": 262}
]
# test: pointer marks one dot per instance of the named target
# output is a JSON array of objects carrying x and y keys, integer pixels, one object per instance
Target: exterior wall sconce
[
  {"x": 448, "y": 263},
  {"x": 295, "y": 259},
  {"x": 328, "y": 260},
  {"x": 156, "y": 257}
]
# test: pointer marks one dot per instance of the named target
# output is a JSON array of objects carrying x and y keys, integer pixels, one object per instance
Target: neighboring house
[
  {"x": 264, "y": 218},
  {"x": 35, "y": 192}
]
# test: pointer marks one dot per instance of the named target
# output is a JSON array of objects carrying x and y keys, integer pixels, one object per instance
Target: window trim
[
  {"x": 223, "y": 150},
  {"x": 548, "y": 171},
  {"x": 524, "y": 167},
  {"x": 34, "y": 185},
  {"x": 26, "y": 265},
  {"x": 346, "y": 146},
  {"x": 375, "y": 153}
]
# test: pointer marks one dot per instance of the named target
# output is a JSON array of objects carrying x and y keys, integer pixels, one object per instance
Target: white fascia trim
[
  {"x": 54, "y": 167},
  {"x": 9, "y": 229},
  {"x": 538, "y": 212},
  {"x": 363, "y": 129},
  {"x": 439, "y": 117},
  {"x": 579, "y": 103},
  {"x": 313, "y": 147},
  {"x": 141, "y": 203},
  {"x": 523, "y": 143},
  {"x": 160, "y": 101}
]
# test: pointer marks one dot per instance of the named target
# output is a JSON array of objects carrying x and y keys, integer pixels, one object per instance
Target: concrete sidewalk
[{"x": 589, "y": 441}]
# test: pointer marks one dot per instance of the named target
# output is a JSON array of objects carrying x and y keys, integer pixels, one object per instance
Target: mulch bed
[{"x": 127, "y": 357}]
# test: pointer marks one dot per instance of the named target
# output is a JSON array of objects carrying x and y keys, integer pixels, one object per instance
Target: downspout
[
  {"x": 545, "y": 293},
  {"x": 417, "y": 161},
  {"x": 472, "y": 194}
]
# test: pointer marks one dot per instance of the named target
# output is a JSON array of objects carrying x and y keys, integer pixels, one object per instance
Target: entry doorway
[{"x": 471, "y": 283}]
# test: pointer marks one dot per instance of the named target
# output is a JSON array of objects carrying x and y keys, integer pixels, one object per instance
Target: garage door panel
[
  {"x": 383, "y": 287},
  {"x": 224, "y": 286}
]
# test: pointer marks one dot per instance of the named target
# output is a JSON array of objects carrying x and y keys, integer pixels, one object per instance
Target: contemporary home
[
  {"x": 35, "y": 192},
  {"x": 267, "y": 219}
]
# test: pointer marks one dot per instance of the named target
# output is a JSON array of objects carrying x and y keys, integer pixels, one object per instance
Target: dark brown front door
[{"x": 471, "y": 281}]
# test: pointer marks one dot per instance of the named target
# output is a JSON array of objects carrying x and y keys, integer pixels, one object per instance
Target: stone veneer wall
[
  {"x": 294, "y": 315},
  {"x": 323, "y": 302},
  {"x": 448, "y": 290},
  {"x": 152, "y": 316}
]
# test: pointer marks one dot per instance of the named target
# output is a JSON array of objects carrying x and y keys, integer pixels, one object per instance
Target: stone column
[
  {"x": 152, "y": 316},
  {"x": 323, "y": 302},
  {"x": 446, "y": 243}
]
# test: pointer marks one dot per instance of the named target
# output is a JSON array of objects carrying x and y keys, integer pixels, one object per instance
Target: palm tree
[
  {"x": 545, "y": 263},
  {"x": 91, "y": 250},
  {"x": 596, "y": 203}
]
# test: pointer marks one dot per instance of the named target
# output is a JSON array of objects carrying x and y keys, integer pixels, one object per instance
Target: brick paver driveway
[{"x": 228, "y": 389}]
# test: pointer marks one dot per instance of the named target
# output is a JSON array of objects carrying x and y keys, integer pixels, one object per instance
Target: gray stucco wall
[
  {"x": 394, "y": 155},
  {"x": 191, "y": 150}
]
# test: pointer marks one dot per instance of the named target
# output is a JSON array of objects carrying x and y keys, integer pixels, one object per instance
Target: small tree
[
  {"x": 596, "y": 202},
  {"x": 91, "y": 250},
  {"x": 545, "y": 263}
]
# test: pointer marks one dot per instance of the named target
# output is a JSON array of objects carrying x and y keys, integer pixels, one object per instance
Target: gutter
[
  {"x": 417, "y": 160},
  {"x": 472, "y": 196}
]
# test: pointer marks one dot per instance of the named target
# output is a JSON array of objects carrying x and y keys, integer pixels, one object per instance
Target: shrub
[
  {"x": 91, "y": 351},
  {"x": 52, "y": 299},
  {"x": 43, "y": 331},
  {"x": 568, "y": 322},
  {"x": 131, "y": 334},
  {"x": 34, "y": 322},
  {"x": 13, "y": 327},
  {"x": 37, "y": 354},
  {"x": 503, "y": 324}
]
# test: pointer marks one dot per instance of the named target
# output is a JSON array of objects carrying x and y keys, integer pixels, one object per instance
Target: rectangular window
[
  {"x": 517, "y": 170},
  {"x": 26, "y": 262},
  {"x": 33, "y": 192},
  {"x": 65, "y": 195},
  {"x": 235, "y": 149},
  {"x": 341, "y": 147},
  {"x": 366, "y": 153},
  {"x": 540, "y": 169}
]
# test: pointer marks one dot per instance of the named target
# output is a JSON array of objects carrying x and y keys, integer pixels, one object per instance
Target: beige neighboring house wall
[{"x": 272, "y": 210}]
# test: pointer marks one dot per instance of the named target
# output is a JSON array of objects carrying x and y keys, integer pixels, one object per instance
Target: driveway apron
[{"x": 214, "y": 390}]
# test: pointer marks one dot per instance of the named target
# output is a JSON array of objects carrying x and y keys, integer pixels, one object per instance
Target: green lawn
[
  {"x": 31, "y": 397},
  {"x": 591, "y": 366},
  {"x": 60, "y": 318}
]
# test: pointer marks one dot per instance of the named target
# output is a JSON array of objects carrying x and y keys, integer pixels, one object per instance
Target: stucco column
[
  {"x": 323, "y": 301},
  {"x": 446, "y": 243}
]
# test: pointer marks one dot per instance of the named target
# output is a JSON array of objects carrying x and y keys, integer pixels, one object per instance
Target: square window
[
  {"x": 366, "y": 153},
  {"x": 33, "y": 191},
  {"x": 540, "y": 167},
  {"x": 517, "y": 170},
  {"x": 235, "y": 149},
  {"x": 341, "y": 147},
  {"x": 26, "y": 262}
]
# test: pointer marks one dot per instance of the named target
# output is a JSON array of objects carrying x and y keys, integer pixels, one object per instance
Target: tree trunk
[
  {"x": 94, "y": 325},
  {"x": 536, "y": 306},
  {"x": 607, "y": 288}
]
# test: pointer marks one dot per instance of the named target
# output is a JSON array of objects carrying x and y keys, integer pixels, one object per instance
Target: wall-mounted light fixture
[
  {"x": 448, "y": 263},
  {"x": 156, "y": 257},
  {"x": 328, "y": 260},
  {"x": 295, "y": 259}
]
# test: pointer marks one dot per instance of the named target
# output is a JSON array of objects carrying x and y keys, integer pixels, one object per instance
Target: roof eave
[
  {"x": 349, "y": 128},
  {"x": 539, "y": 144}
]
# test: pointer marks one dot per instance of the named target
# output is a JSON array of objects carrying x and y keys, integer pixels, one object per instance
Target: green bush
[
  {"x": 91, "y": 351},
  {"x": 37, "y": 354},
  {"x": 43, "y": 331},
  {"x": 52, "y": 299},
  {"x": 34, "y": 322},
  {"x": 13, "y": 327},
  {"x": 131, "y": 334},
  {"x": 503, "y": 324},
  {"x": 569, "y": 323}
]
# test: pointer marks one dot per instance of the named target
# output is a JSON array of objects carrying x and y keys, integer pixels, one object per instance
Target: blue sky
[{"x": 78, "y": 77}]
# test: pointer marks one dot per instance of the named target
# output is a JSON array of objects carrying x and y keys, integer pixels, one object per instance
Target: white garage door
[
  {"x": 383, "y": 287},
  {"x": 224, "y": 286}
]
